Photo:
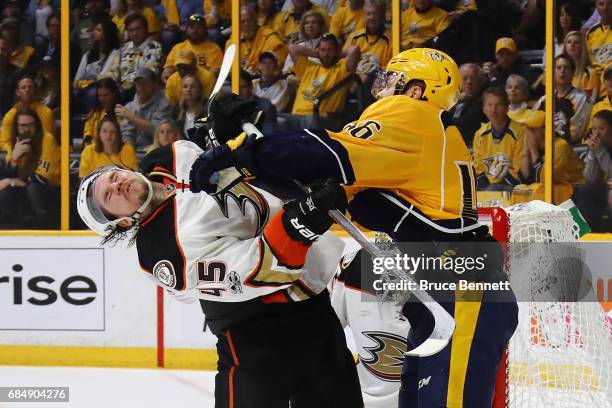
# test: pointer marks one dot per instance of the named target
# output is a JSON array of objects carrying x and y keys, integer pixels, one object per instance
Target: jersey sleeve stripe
[
  {"x": 443, "y": 161},
  {"x": 181, "y": 251},
  {"x": 454, "y": 225}
]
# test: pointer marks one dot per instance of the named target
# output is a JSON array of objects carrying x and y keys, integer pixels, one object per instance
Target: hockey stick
[
  {"x": 444, "y": 323},
  {"x": 226, "y": 67}
]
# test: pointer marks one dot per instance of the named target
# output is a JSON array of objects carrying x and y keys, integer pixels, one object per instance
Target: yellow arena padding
[{"x": 129, "y": 357}]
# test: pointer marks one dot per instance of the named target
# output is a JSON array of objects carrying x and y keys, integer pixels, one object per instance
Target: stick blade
[
  {"x": 226, "y": 66},
  {"x": 428, "y": 348}
]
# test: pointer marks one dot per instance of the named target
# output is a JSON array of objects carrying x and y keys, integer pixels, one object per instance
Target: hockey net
[{"x": 560, "y": 353}]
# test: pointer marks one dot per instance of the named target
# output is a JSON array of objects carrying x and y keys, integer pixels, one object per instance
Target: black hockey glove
[
  {"x": 228, "y": 112},
  {"x": 306, "y": 219},
  {"x": 220, "y": 168}
]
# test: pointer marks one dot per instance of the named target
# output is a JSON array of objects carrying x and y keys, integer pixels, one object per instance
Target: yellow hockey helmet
[{"x": 435, "y": 68}]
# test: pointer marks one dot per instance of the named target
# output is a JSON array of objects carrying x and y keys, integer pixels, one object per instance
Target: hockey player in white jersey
[
  {"x": 259, "y": 269},
  {"x": 379, "y": 330}
]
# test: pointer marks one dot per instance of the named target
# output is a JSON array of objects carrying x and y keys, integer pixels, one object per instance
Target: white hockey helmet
[{"x": 93, "y": 215}]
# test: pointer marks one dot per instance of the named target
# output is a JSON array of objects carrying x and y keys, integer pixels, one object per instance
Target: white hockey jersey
[
  {"x": 379, "y": 333},
  {"x": 213, "y": 248}
]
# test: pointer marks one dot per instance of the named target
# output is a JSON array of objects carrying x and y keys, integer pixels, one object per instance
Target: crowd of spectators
[{"x": 142, "y": 70}]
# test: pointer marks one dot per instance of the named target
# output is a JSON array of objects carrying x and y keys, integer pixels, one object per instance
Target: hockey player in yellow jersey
[{"x": 408, "y": 173}]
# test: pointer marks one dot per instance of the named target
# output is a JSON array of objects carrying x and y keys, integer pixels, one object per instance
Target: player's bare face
[
  {"x": 120, "y": 193},
  {"x": 495, "y": 108}
]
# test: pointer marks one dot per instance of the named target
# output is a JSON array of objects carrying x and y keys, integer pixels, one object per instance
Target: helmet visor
[{"x": 384, "y": 83}]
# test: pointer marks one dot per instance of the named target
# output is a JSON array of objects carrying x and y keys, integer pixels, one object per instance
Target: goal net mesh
[{"x": 560, "y": 353}]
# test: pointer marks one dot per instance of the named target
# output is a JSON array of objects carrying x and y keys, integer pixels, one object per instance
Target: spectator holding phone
[{"x": 30, "y": 199}]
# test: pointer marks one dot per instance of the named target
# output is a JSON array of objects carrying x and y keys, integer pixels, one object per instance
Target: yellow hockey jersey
[
  {"x": 498, "y": 156},
  {"x": 411, "y": 149}
]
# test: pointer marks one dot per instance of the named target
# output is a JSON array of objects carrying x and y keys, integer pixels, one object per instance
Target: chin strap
[{"x": 138, "y": 213}]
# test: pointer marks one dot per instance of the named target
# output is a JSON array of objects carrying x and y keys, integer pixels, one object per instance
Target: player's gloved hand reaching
[
  {"x": 222, "y": 167},
  {"x": 226, "y": 114},
  {"x": 306, "y": 219}
]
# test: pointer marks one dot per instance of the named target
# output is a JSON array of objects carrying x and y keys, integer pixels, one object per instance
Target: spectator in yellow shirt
[
  {"x": 254, "y": 40},
  {"x": 208, "y": 54},
  {"x": 421, "y": 22},
  {"x": 107, "y": 97},
  {"x": 20, "y": 54},
  {"x": 312, "y": 27},
  {"x": 374, "y": 42},
  {"x": 268, "y": 16},
  {"x": 32, "y": 198},
  {"x": 26, "y": 95},
  {"x": 318, "y": 78},
  {"x": 290, "y": 28},
  {"x": 186, "y": 65},
  {"x": 347, "y": 19},
  {"x": 599, "y": 37},
  {"x": 108, "y": 148},
  {"x": 498, "y": 144}
]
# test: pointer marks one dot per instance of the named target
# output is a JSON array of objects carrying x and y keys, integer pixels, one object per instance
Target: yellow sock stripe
[{"x": 466, "y": 316}]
